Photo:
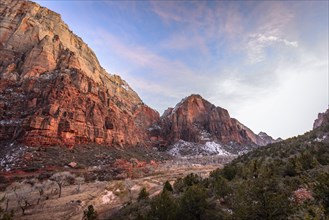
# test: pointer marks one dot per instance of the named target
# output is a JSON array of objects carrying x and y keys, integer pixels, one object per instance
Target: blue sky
[{"x": 266, "y": 62}]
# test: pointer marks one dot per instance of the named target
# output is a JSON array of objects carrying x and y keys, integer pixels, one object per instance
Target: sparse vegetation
[
  {"x": 23, "y": 193},
  {"x": 286, "y": 180},
  {"x": 62, "y": 179},
  {"x": 79, "y": 181},
  {"x": 4, "y": 214},
  {"x": 90, "y": 213},
  {"x": 167, "y": 187},
  {"x": 143, "y": 195}
]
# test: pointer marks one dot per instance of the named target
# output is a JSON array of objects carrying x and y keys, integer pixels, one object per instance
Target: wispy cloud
[
  {"x": 268, "y": 39},
  {"x": 244, "y": 56},
  {"x": 269, "y": 29},
  {"x": 152, "y": 72},
  {"x": 257, "y": 45}
]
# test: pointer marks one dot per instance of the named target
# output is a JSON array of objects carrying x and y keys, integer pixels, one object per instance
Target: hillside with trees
[{"x": 286, "y": 180}]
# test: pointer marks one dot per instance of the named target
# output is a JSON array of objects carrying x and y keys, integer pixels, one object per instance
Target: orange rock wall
[{"x": 53, "y": 90}]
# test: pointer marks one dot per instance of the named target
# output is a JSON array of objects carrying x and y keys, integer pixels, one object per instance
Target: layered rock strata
[
  {"x": 53, "y": 90},
  {"x": 196, "y": 120}
]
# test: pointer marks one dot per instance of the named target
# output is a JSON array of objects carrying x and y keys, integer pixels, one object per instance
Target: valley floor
[{"x": 108, "y": 196}]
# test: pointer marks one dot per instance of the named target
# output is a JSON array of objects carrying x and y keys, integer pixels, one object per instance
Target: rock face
[
  {"x": 53, "y": 90},
  {"x": 322, "y": 120},
  {"x": 264, "y": 139},
  {"x": 195, "y": 120}
]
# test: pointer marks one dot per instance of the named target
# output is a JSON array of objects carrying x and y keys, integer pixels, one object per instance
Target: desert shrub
[
  {"x": 261, "y": 198},
  {"x": 62, "y": 179},
  {"x": 79, "y": 180},
  {"x": 290, "y": 169},
  {"x": 163, "y": 207},
  {"x": 22, "y": 192},
  {"x": 221, "y": 187},
  {"x": 143, "y": 194},
  {"x": 193, "y": 203},
  {"x": 4, "y": 214},
  {"x": 322, "y": 191},
  {"x": 167, "y": 186},
  {"x": 181, "y": 184},
  {"x": 229, "y": 172},
  {"x": 90, "y": 213}
]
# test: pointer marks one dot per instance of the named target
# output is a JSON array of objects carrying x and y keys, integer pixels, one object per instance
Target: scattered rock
[{"x": 72, "y": 164}]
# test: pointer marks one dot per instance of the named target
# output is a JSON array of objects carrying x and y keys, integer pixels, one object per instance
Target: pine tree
[
  {"x": 143, "y": 195},
  {"x": 167, "y": 186}
]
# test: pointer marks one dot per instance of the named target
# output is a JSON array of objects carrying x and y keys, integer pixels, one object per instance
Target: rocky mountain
[
  {"x": 195, "y": 123},
  {"x": 322, "y": 120},
  {"x": 53, "y": 90},
  {"x": 286, "y": 180},
  {"x": 265, "y": 139}
]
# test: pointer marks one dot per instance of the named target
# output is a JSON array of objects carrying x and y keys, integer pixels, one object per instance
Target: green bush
[
  {"x": 167, "y": 186},
  {"x": 163, "y": 207},
  {"x": 322, "y": 191},
  {"x": 143, "y": 194},
  {"x": 229, "y": 172},
  {"x": 90, "y": 213},
  {"x": 193, "y": 203}
]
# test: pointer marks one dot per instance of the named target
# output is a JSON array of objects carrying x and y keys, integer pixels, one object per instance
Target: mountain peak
[
  {"x": 53, "y": 89},
  {"x": 195, "y": 96},
  {"x": 322, "y": 120},
  {"x": 191, "y": 98}
]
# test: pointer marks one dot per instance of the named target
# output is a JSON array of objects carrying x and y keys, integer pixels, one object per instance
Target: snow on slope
[{"x": 184, "y": 148}]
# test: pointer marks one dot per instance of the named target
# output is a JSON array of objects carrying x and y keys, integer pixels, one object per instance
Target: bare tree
[
  {"x": 79, "y": 180},
  {"x": 5, "y": 199},
  {"x": 129, "y": 184},
  {"x": 42, "y": 188},
  {"x": 4, "y": 214},
  {"x": 23, "y": 193},
  {"x": 62, "y": 179}
]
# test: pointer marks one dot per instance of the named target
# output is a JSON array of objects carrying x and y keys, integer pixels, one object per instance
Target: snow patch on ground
[
  {"x": 9, "y": 160},
  {"x": 214, "y": 148},
  {"x": 205, "y": 135},
  {"x": 11, "y": 122},
  {"x": 184, "y": 148},
  {"x": 320, "y": 139}
]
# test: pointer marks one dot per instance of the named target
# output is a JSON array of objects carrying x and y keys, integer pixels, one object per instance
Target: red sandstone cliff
[
  {"x": 53, "y": 90},
  {"x": 196, "y": 120}
]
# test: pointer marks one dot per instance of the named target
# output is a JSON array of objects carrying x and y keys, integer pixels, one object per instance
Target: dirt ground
[{"x": 105, "y": 196}]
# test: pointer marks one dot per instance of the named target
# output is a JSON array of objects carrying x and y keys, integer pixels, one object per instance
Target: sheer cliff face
[
  {"x": 197, "y": 120},
  {"x": 53, "y": 89}
]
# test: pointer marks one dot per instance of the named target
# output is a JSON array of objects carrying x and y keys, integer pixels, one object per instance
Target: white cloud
[
  {"x": 274, "y": 94},
  {"x": 268, "y": 39},
  {"x": 258, "y": 43}
]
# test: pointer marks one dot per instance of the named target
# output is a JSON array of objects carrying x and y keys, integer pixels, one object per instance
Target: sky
[{"x": 266, "y": 62}]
